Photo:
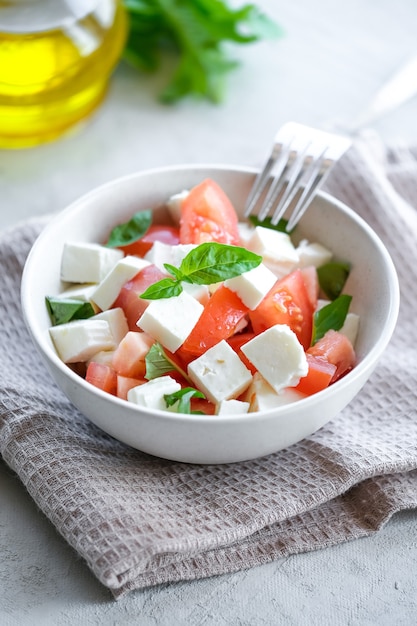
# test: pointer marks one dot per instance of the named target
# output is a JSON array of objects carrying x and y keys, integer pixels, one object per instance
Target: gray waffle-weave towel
[{"x": 140, "y": 521}]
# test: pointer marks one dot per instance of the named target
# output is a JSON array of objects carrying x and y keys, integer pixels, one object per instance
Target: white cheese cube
[
  {"x": 151, "y": 394},
  {"x": 278, "y": 356},
  {"x": 219, "y": 373},
  {"x": 161, "y": 253},
  {"x": 246, "y": 231},
  {"x": 312, "y": 254},
  {"x": 78, "y": 292},
  {"x": 108, "y": 290},
  {"x": 87, "y": 262},
  {"x": 252, "y": 286},
  {"x": 350, "y": 327},
  {"x": 232, "y": 407},
  {"x": 170, "y": 320},
  {"x": 262, "y": 397},
  {"x": 199, "y": 292},
  {"x": 174, "y": 205},
  {"x": 117, "y": 322},
  {"x": 276, "y": 248},
  {"x": 78, "y": 341},
  {"x": 105, "y": 357}
]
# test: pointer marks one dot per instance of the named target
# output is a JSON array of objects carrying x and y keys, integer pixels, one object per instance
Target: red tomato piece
[
  {"x": 165, "y": 234},
  {"x": 208, "y": 215},
  {"x": 320, "y": 375},
  {"x": 128, "y": 298},
  {"x": 288, "y": 302},
  {"x": 124, "y": 384},
  {"x": 102, "y": 376},
  {"x": 221, "y": 315},
  {"x": 335, "y": 348},
  {"x": 129, "y": 356},
  {"x": 311, "y": 281},
  {"x": 236, "y": 342}
]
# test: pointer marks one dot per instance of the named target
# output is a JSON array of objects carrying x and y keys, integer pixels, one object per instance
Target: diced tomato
[
  {"x": 236, "y": 342},
  {"x": 102, "y": 376},
  {"x": 124, "y": 384},
  {"x": 202, "y": 405},
  {"x": 208, "y": 215},
  {"x": 320, "y": 374},
  {"x": 128, "y": 298},
  {"x": 311, "y": 281},
  {"x": 335, "y": 348},
  {"x": 129, "y": 356},
  {"x": 165, "y": 234},
  {"x": 219, "y": 319},
  {"x": 288, "y": 302}
]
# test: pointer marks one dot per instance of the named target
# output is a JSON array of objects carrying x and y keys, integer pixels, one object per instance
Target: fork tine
[{"x": 284, "y": 165}]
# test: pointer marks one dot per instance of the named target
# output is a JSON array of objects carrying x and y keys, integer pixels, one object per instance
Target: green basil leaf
[
  {"x": 332, "y": 278},
  {"x": 130, "y": 231},
  {"x": 330, "y": 317},
  {"x": 158, "y": 363},
  {"x": 173, "y": 270},
  {"x": 281, "y": 226},
  {"x": 213, "y": 262},
  {"x": 165, "y": 288},
  {"x": 183, "y": 398},
  {"x": 64, "y": 310}
]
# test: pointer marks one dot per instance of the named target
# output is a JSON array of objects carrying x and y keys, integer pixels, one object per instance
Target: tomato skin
[
  {"x": 128, "y": 298},
  {"x": 102, "y": 376},
  {"x": 311, "y": 281},
  {"x": 288, "y": 302},
  {"x": 335, "y": 348},
  {"x": 218, "y": 321},
  {"x": 320, "y": 375},
  {"x": 125, "y": 384},
  {"x": 129, "y": 356},
  {"x": 208, "y": 215},
  {"x": 165, "y": 234}
]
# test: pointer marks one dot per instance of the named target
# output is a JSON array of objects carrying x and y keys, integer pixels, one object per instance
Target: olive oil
[{"x": 56, "y": 57}]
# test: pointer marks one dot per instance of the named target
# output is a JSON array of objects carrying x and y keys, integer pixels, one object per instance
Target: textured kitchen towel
[{"x": 139, "y": 520}]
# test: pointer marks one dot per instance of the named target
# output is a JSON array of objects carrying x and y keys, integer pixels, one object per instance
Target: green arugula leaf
[
  {"x": 330, "y": 317},
  {"x": 267, "y": 223},
  {"x": 158, "y": 363},
  {"x": 332, "y": 278},
  {"x": 63, "y": 310},
  {"x": 183, "y": 399},
  {"x": 165, "y": 288},
  {"x": 128, "y": 232}
]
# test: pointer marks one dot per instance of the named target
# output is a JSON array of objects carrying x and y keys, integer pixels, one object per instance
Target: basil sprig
[
  {"x": 281, "y": 226},
  {"x": 63, "y": 310},
  {"x": 206, "y": 264},
  {"x": 130, "y": 231},
  {"x": 330, "y": 317},
  {"x": 158, "y": 363},
  {"x": 182, "y": 399},
  {"x": 332, "y": 278}
]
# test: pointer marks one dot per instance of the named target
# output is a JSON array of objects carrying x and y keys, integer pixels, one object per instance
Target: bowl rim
[{"x": 366, "y": 365}]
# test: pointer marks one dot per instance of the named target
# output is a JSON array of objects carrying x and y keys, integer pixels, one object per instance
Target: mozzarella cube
[
  {"x": 117, "y": 322},
  {"x": 350, "y": 327},
  {"x": 246, "y": 231},
  {"x": 170, "y": 320},
  {"x": 312, "y": 254},
  {"x": 219, "y": 373},
  {"x": 276, "y": 248},
  {"x": 252, "y": 286},
  {"x": 151, "y": 394},
  {"x": 278, "y": 356},
  {"x": 261, "y": 396},
  {"x": 78, "y": 292},
  {"x": 108, "y": 290},
  {"x": 104, "y": 357},
  {"x": 174, "y": 205},
  {"x": 199, "y": 292},
  {"x": 161, "y": 253},
  {"x": 87, "y": 262},
  {"x": 78, "y": 341},
  {"x": 232, "y": 407}
]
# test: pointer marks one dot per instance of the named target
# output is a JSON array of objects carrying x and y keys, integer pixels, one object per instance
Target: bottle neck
[{"x": 34, "y": 16}]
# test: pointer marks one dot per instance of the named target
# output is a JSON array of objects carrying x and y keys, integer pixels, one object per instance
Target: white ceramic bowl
[{"x": 212, "y": 439}]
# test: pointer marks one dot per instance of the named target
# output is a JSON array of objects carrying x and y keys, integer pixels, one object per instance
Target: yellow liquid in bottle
[{"x": 52, "y": 77}]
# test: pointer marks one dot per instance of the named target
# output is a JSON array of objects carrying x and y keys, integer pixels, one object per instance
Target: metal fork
[{"x": 300, "y": 160}]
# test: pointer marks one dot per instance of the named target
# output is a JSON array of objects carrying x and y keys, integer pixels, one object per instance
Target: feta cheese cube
[
  {"x": 151, "y": 394},
  {"x": 170, "y": 320},
  {"x": 78, "y": 292},
  {"x": 219, "y": 373},
  {"x": 252, "y": 286},
  {"x": 161, "y": 253},
  {"x": 276, "y": 248},
  {"x": 232, "y": 407},
  {"x": 312, "y": 254},
  {"x": 117, "y": 322},
  {"x": 107, "y": 291},
  {"x": 261, "y": 396},
  {"x": 199, "y": 292},
  {"x": 174, "y": 205},
  {"x": 105, "y": 357},
  {"x": 87, "y": 262},
  {"x": 278, "y": 356},
  {"x": 351, "y": 327},
  {"x": 245, "y": 232},
  {"x": 78, "y": 341}
]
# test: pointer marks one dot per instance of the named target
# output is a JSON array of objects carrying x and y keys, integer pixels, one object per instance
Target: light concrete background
[{"x": 331, "y": 61}]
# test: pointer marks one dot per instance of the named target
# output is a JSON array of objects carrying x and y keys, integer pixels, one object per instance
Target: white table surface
[{"x": 334, "y": 56}]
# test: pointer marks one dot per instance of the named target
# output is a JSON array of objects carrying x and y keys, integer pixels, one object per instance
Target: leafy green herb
[
  {"x": 330, "y": 317},
  {"x": 182, "y": 399},
  {"x": 195, "y": 32},
  {"x": 63, "y": 310},
  {"x": 281, "y": 226},
  {"x": 332, "y": 278},
  {"x": 158, "y": 363},
  {"x": 206, "y": 264},
  {"x": 128, "y": 232}
]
